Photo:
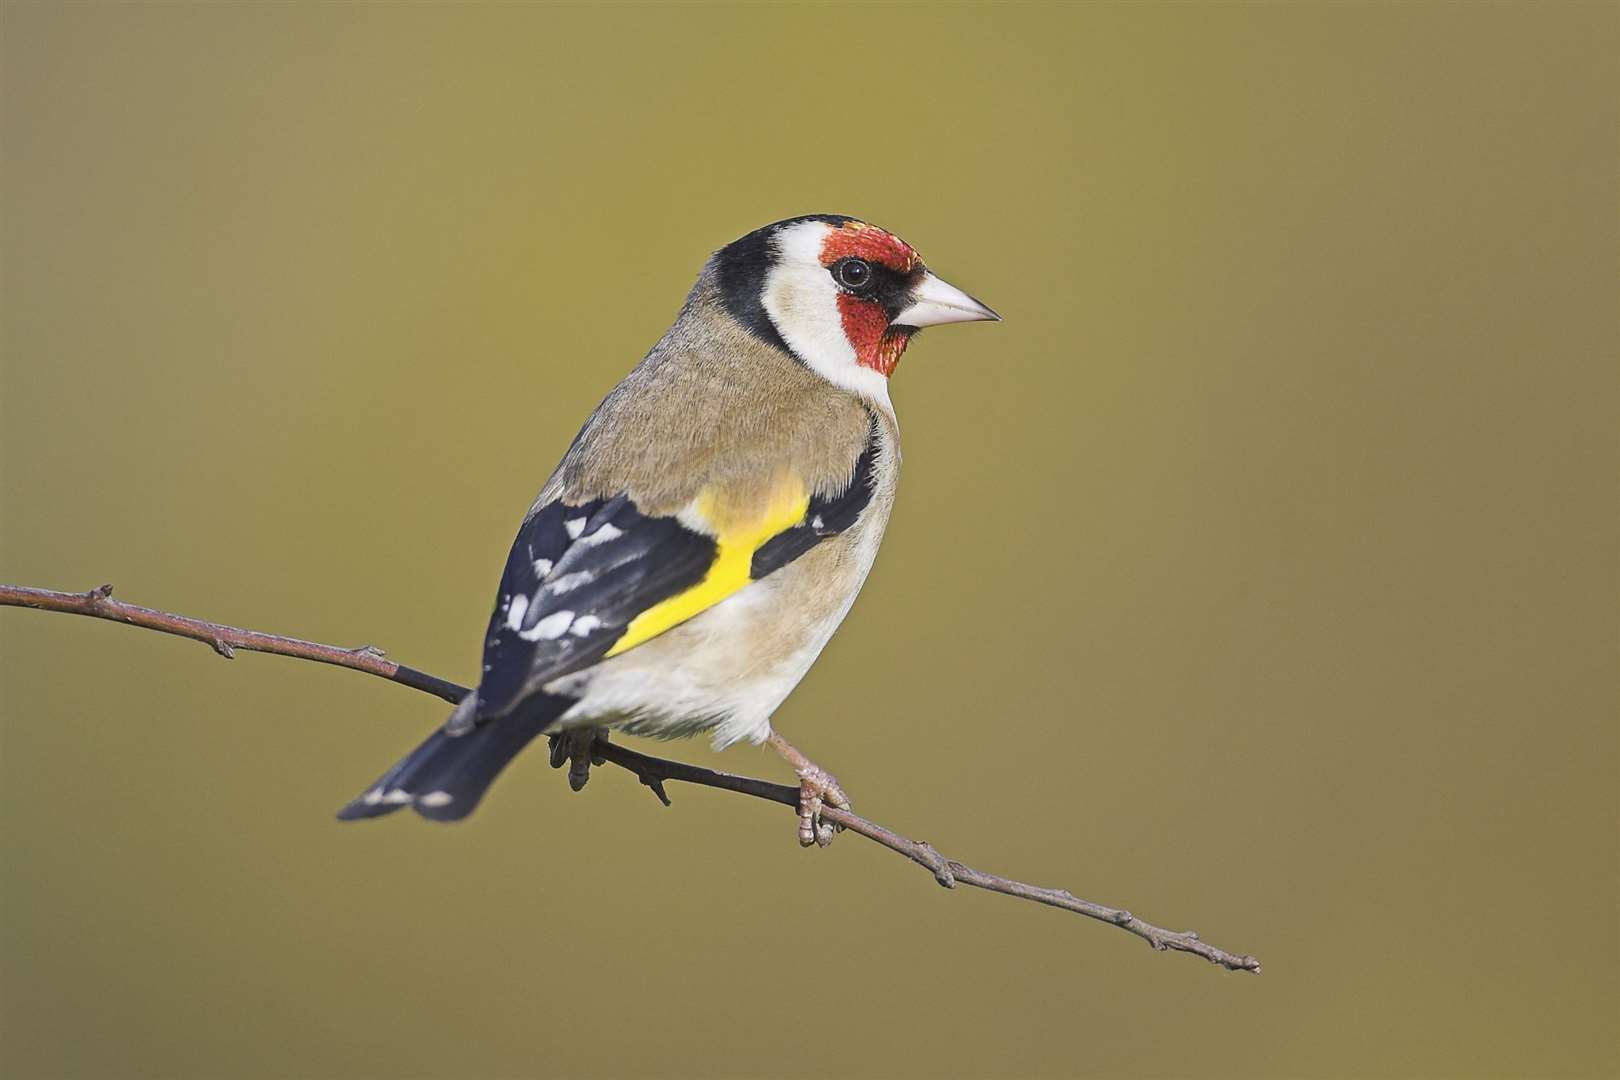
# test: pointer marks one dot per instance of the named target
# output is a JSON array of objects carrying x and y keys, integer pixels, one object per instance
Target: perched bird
[{"x": 710, "y": 526}]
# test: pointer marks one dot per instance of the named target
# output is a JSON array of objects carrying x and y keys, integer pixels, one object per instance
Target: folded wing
[{"x": 590, "y": 580}]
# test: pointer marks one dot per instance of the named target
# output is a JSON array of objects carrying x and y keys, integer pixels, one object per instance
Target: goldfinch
[{"x": 709, "y": 527}]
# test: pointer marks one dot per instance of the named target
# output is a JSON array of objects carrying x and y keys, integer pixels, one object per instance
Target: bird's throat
[{"x": 877, "y": 345}]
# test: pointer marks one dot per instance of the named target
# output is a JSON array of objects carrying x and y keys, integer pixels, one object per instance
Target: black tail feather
[{"x": 445, "y": 777}]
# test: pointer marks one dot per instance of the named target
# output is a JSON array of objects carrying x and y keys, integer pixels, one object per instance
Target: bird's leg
[
  {"x": 817, "y": 786},
  {"x": 578, "y": 748}
]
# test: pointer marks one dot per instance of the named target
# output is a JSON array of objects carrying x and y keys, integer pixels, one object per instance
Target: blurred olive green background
[{"x": 1258, "y": 573}]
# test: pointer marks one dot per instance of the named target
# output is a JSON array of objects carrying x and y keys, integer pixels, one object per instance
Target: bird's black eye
[{"x": 853, "y": 274}]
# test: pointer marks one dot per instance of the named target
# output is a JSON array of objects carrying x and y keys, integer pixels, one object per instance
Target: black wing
[{"x": 576, "y": 576}]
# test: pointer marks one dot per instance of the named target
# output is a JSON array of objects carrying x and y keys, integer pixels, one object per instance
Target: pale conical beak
[{"x": 935, "y": 302}]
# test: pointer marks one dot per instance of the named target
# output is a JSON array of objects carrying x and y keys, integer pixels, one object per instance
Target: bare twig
[{"x": 651, "y": 771}]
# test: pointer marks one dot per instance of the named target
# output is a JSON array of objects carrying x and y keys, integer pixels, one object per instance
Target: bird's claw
[
  {"x": 818, "y": 788},
  {"x": 579, "y": 750}
]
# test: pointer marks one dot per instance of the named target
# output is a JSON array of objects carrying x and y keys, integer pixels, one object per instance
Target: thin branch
[{"x": 651, "y": 771}]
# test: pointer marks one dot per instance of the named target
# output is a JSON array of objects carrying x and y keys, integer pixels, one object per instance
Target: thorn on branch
[
  {"x": 100, "y": 592},
  {"x": 223, "y": 647},
  {"x": 657, "y": 785},
  {"x": 373, "y": 651}
]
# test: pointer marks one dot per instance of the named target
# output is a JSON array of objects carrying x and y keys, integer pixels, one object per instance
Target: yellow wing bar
[{"x": 737, "y": 537}]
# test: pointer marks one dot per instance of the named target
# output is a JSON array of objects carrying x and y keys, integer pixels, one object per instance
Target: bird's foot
[
  {"x": 578, "y": 749},
  {"x": 817, "y": 788}
]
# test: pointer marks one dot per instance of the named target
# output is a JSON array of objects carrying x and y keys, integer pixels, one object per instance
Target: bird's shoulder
[{"x": 714, "y": 409}]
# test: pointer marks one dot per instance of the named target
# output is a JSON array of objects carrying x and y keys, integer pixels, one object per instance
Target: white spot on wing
[
  {"x": 542, "y": 567},
  {"x": 515, "y": 611},
  {"x": 549, "y": 628},
  {"x": 574, "y": 527},
  {"x": 605, "y": 532},
  {"x": 436, "y": 798},
  {"x": 570, "y": 582},
  {"x": 398, "y": 796},
  {"x": 816, "y": 522},
  {"x": 584, "y": 625}
]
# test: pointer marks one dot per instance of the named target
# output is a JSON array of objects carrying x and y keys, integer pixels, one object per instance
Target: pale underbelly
[{"x": 727, "y": 669}]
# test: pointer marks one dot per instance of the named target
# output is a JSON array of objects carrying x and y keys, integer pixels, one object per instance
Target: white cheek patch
[{"x": 802, "y": 301}]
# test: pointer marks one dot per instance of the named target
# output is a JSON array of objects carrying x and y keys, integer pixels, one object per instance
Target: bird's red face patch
[{"x": 865, "y": 322}]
